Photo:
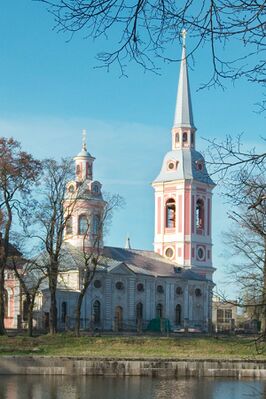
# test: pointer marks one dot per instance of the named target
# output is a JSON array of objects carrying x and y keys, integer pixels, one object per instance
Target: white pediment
[{"x": 121, "y": 268}]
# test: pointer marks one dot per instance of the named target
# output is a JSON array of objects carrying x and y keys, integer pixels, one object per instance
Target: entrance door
[
  {"x": 178, "y": 314},
  {"x": 119, "y": 318}
]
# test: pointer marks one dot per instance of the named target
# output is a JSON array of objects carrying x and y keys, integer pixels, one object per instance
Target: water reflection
[{"x": 65, "y": 387}]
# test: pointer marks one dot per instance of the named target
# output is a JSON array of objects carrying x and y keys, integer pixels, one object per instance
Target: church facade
[{"x": 132, "y": 289}]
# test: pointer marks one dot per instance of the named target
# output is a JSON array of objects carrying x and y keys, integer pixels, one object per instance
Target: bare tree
[
  {"x": 241, "y": 174},
  {"x": 51, "y": 217},
  {"x": 229, "y": 157},
  {"x": 93, "y": 255},
  {"x": 247, "y": 241},
  {"x": 232, "y": 31},
  {"x": 30, "y": 277},
  {"x": 238, "y": 171},
  {"x": 19, "y": 171}
]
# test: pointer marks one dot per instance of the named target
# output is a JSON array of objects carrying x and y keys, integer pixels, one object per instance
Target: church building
[{"x": 132, "y": 288}]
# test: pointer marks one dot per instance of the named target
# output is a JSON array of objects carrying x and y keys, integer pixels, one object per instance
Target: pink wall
[
  {"x": 187, "y": 212},
  {"x": 193, "y": 215},
  {"x": 180, "y": 213},
  {"x": 187, "y": 251},
  {"x": 208, "y": 217},
  {"x": 159, "y": 202}
]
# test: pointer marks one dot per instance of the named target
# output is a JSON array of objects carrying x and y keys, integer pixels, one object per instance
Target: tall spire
[
  {"x": 84, "y": 140},
  {"x": 128, "y": 243},
  {"x": 183, "y": 111}
]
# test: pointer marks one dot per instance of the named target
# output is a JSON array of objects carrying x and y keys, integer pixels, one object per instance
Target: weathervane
[
  {"x": 84, "y": 138},
  {"x": 184, "y": 35}
]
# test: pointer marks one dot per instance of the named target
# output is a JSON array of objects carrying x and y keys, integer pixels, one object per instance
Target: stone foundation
[{"x": 39, "y": 365}]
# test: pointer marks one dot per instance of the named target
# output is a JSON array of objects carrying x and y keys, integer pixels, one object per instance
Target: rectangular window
[{"x": 228, "y": 315}]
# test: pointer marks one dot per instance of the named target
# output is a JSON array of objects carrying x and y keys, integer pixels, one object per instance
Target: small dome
[{"x": 84, "y": 153}]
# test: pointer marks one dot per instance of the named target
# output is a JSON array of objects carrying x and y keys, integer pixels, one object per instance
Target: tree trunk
[
  {"x": 78, "y": 312},
  {"x": 263, "y": 320},
  {"x": 30, "y": 323},
  {"x": 53, "y": 304},
  {"x": 2, "y": 301},
  {"x": 30, "y": 317},
  {"x": 53, "y": 312}
]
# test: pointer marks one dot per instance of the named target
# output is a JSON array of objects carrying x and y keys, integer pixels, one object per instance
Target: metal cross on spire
[
  {"x": 84, "y": 139},
  {"x": 184, "y": 35}
]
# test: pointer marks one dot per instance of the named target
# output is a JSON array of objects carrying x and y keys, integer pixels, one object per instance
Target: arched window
[
  {"x": 97, "y": 312},
  {"x": 170, "y": 213},
  {"x": 184, "y": 137},
  {"x": 95, "y": 188},
  {"x": 178, "y": 314},
  {"x": 88, "y": 170},
  {"x": 198, "y": 292},
  {"x": 200, "y": 165},
  {"x": 177, "y": 137},
  {"x": 200, "y": 214},
  {"x": 6, "y": 303},
  {"x": 159, "y": 311},
  {"x": 63, "y": 312},
  {"x": 83, "y": 224},
  {"x": 139, "y": 311},
  {"x": 140, "y": 287},
  {"x": 69, "y": 227},
  {"x": 96, "y": 225},
  {"x": 78, "y": 170},
  {"x": 160, "y": 289}
]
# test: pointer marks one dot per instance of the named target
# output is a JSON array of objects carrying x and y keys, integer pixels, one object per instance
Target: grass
[{"x": 133, "y": 347}]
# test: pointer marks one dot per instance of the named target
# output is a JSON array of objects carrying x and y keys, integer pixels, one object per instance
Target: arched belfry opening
[
  {"x": 200, "y": 214},
  {"x": 170, "y": 213},
  {"x": 82, "y": 225}
]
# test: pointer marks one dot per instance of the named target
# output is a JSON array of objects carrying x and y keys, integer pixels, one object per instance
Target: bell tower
[
  {"x": 183, "y": 191},
  {"x": 84, "y": 204},
  {"x": 183, "y": 131},
  {"x": 83, "y": 162}
]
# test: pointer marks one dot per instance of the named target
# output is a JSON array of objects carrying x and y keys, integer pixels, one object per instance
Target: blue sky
[{"x": 50, "y": 90}]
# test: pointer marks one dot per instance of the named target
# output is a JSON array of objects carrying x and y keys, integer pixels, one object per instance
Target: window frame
[
  {"x": 170, "y": 206},
  {"x": 200, "y": 215},
  {"x": 80, "y": 218},
  {"x": 159, "y": 311}
]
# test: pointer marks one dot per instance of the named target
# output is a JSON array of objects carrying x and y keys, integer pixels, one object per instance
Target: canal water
[{"x": 65, "y": 387}]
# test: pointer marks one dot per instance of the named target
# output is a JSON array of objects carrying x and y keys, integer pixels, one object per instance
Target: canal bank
[{"x": 75, "y": 366}]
